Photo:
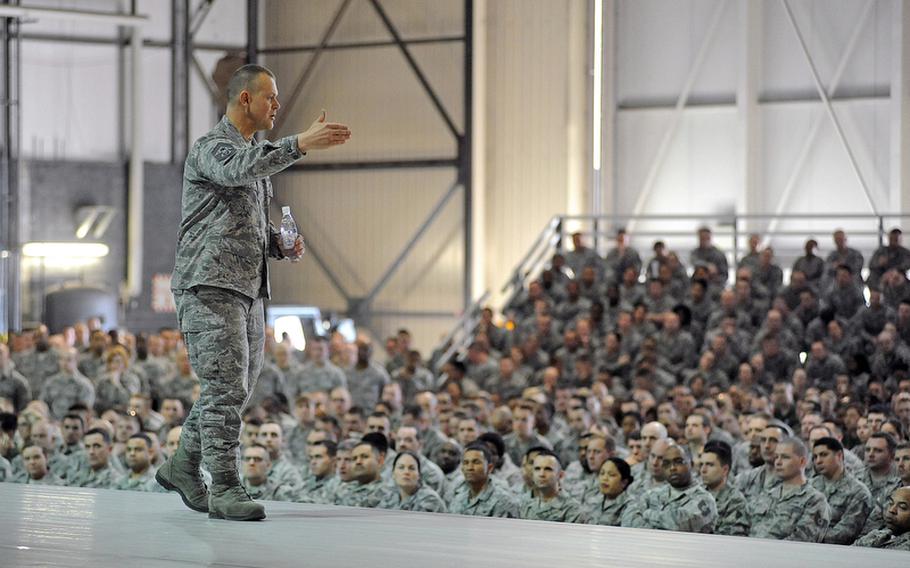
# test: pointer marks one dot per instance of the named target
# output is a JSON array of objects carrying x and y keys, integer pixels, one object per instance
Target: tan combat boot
[
  {"x": 229, "y": 500},
  {"x": 182, "y": 475}
]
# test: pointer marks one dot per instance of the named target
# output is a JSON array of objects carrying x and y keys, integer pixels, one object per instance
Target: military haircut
[
  {"x": 27, "y": 446},
  {"x": 902, "y": 446},
  {"x": 357, "y": 411},
  {"x": 142, "y": 436},
  {"x": 609, "y": 442},
  {"x": 482, "y": 448},
  {"x": 414, "y": 410},
  {"x": 542, "y": 451},
  {"x": 830, "y": 443},
  {"x": 406, "y": 453},
  {"x": 888, "y": 438},
  {"x": 78, "y": 407},
  {"x": 331, "y": 447},
  {"x": 347, "y": 445},
  {"x": 102, "y": 432},
  {"x": 799, "y": 448},
  {"x": 74, "y": 416},
  {"x": 722, "y": 450},
  {"x": 494, "y": 439},
  {"x": 377, "y": 441}
]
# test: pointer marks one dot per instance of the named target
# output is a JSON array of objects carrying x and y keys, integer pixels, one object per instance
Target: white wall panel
[
  {"x": 70, "y": 101},
  {"x": 526, "y": 116},
  {"x": 657, "y": 42}
]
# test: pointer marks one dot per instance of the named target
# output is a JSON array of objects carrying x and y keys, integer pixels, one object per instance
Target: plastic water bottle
[{"x": 288, "y": 231}]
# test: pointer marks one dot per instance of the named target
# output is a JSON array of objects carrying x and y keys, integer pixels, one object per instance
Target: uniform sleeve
[
  {"x": 851, "y": 523},
  {"x": 274, "y": 243},
  {"x": 220, "y": 160},
  {"x": 812, "y": 523}
]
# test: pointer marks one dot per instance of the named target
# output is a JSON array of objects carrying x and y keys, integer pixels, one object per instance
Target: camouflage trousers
[{"x": 224, "y": 334}]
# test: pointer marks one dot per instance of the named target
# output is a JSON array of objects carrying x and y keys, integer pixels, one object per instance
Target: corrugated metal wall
[{"x": 360, "y": 221}]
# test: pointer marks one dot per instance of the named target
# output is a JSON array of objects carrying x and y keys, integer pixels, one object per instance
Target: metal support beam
[
  {"x": 374, "y": 165},
  {"x": 252, "y": 31},
  {"x": 198, "y": 17},
  {"x": 311, "y": 65},
  {"x": 900, "y": 107},
  {"x": 341, "y": 46},
  {"x": 748, "y": 110},
  {"x": 828, "y": 108},
  {"x": 465, "y": 177},
  {"x": 409, "y": 246},
  {"x": 809, "y": 143},
  {"x": 336, "y": 283},
  {"x": 28, "y": 13},
  {"x": 210, "y": 85},
  {"x": 10, "y": 257},
  {"x": 180, "y": 80},
  {"x": 437, "y": 102},
  {"x": 664, "y": 148}
]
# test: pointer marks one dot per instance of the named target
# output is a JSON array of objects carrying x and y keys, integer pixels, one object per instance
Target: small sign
[{"x": 162, "y": 297}]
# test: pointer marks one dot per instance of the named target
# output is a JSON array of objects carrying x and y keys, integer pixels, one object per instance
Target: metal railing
[{"x": 730, "y": 231}]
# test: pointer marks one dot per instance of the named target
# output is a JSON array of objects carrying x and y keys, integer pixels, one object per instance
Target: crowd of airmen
[{"x": 613, "y": 392}]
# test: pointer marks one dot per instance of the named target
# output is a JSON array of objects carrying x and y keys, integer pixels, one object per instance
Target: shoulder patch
[
  {"x": 223, "y": 151},
  {"x": 704, "y": 508}
]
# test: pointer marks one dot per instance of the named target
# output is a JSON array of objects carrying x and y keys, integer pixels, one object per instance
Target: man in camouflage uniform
[
  {"x": 714, "y": 466},
  {"x": 367, "y": 489},
  {"x": 479, "y": 496},
  {"x": 760, "y": 480},
  {"x": 283, "y": 472},
  {"x": 37, "y": 473},
  {"x": 319, "y": 373},
  {"x": 221, "y": 277},
  {"x": 367, "y": 377},
  {"x": 13, "y": 385},
  {"x": 849, "y": 500},
  {"x": 141, "y": 476},
  {"x": 99, "y": 474},
  {"x": 896, "y": 534},
  {"x": 68, "y": 387},
  {"x": 791, "y": 510},
  {"x": 321, "y": 459},
  {"x": 549, "y": 502},
  {"x": 256, "y": 479},
  {"x": 681, "y": 504}
]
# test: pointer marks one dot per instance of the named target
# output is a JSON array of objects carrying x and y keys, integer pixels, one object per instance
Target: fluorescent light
[
  {"x": 598, "y": 79},
  {"x": 65, "y": 250}
]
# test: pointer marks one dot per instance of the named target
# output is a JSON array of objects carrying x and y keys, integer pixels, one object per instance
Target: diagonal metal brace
[
  {"x": 399, "y": 260},
  {"x": 417, "y": 71},
  {"x": 311, "y": 66}
]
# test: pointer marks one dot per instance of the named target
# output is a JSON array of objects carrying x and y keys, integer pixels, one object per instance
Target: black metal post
[
  {"x": 465, "y": 150},
  {"x": 180, "y": 80},
  {"x": 9, "y": 177},
  {"x": 252, "y": 31}
]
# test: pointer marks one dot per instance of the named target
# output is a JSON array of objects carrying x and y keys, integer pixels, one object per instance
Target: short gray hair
[{"x": 243, "y": 78}]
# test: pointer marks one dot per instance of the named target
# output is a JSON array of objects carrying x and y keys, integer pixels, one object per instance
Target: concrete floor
[{"x": 60, "y": 526}]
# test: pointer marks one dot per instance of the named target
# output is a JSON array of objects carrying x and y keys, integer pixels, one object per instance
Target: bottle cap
[{"x": 286, "y": 210}]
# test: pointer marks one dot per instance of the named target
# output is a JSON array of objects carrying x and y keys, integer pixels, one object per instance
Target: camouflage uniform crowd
[{"x": 610, "y": 391}]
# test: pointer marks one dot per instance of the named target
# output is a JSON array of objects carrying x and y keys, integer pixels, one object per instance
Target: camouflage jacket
[
  {"x": 607, "y": 512},
  {"x": 884, "y": 538},
  {"x": 850, "y": 503},
  {"x": 492, "y": 501},
  {"x": 561, "y": 509},
  {"x": 732, "y": 516},
  {"x": 424, "y": 499},
  {"x": 790, "y": 513},
  {"x": 692, "y": 509},
  {"x": 225, "y": 235}
]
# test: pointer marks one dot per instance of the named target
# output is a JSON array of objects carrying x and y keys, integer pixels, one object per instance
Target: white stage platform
[{"x": 59, "y": 526}]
